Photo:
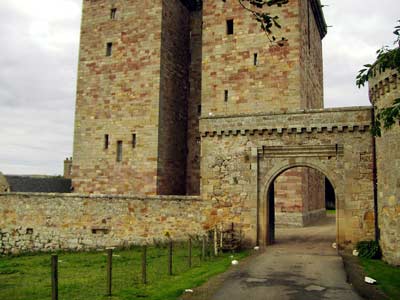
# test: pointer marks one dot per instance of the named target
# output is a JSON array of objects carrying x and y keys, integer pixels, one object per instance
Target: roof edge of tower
[{"x": 319, "y": 17}]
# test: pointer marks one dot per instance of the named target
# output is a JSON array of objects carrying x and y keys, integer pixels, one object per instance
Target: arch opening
[{"x": 300, "y": 204}]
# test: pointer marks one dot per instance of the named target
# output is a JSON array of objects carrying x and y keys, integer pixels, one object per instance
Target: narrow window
[
  {"x": 106, "y": 141},
  {"x": 226, "y": 96},
  {"x": 255, "y": 59},
  {"x": 119, "y": 151},
  {"x": 199, "y": 110},
  {"x": 134, "y": 140},
  {"x": 229, "y": 26},
  {"x": 109, "y": 49},
  {"x": 113, "y": 15}
]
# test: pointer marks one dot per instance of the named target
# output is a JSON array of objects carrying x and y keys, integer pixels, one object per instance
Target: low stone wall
[{"x": 44, "y": 222}]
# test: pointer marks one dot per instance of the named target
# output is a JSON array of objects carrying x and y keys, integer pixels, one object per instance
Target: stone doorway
[{"x": 296, "y": 198}]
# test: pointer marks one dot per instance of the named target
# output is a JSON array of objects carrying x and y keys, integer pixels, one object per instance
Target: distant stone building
[{"x": 4, "y": 186}]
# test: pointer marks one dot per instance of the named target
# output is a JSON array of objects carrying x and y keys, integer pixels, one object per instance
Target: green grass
[
  {"x": 388, "y": 277},
  {"x": 330, "y": 212},
  {"x": 83, "y": 275}
]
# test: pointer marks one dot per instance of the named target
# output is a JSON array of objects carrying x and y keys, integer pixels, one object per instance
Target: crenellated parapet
[
  {"x": 298, "y": 122},
  {"x": 384, "y": 86}
]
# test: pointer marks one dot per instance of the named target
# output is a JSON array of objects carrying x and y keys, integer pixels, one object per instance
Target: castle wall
[
  {"x": 194, "y": 105},
  {"x": 384, "y": 88},
  {"x": 174, "y": 93},
  {"x": 241, "y": 154},
  {"x": 47, "y": 222},
  {"x": 299, "y": 197},
  {"x": 228, "y": 61},
  {"x": 311, "y": 64},
  {"x": 118, "y": 95}
]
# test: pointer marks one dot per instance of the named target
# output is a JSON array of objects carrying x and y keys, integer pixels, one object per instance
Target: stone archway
[
  {"x": 241, "y": 155},
  {"x": 264, "y": 212}
]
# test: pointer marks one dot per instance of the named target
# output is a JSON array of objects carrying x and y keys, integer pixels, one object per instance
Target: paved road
[{"x": 302, "y": 265}]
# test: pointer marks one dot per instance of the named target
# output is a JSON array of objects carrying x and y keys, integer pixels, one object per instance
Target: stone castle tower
[{"x": 149, "y": 70}]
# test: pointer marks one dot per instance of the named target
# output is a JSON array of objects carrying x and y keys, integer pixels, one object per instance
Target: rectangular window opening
[
  {"x": 229, "y": 26},
  {"x": 133, "y": 140},
  {"x": 106, "y": 141},
  {"x": 199, "y": 110},
  {"x": 119, "y": 151},
  {"x": 113, "y": 15},
  {"x": 255, "y": 59},
  {"x": 109, "y": 49},
  {"x": 226, "y": 94}
]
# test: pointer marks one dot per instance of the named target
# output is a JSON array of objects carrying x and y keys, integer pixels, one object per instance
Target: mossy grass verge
[
  {"x": 387, "y": 276},
  {"x": 82, "y": 275}
]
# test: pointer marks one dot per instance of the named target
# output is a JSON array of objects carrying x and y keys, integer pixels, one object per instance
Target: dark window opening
[
  {"x": 229, "y": 26},
  {"x": 29, "y": 231},
  {"x": 255, "y": 59},
  {"x": 106, "y": 141},
  {"x": 100, "y": 230},
  {"x": 198, "y": 140},
  {"x": 199, "y": 110},
  {"x": 226, "y": 94},
  {"x": 109, "y": 49},
  {"x": 113, "y": 15},
  {"x": 134, "y": 140},
  {"x": 119, "y": 151}
]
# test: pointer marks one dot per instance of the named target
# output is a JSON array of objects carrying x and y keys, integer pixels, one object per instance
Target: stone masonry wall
[
  {"x": 242, "y": 153},
  {"x": 174, "y": 94},
  {"x": 194, "y": 105},
  {"x": 299, "y": 197},
  {"x": 384, "y": 88},
  {"x": 4, "y": 186},
  {"x": 311, "y": 65},
  {"x": 45, "y": 222},
  {"x": 118, "y": 95}
]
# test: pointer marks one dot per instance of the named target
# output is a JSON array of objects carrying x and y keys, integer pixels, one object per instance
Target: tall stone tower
[
  {"x": 243, "y": 74},
  {"x": 132, "y": 97},
  {"x": 148, "y": 70}
]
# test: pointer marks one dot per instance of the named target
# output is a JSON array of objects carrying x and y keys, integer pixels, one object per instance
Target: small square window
[
  {"x": 113, "y": 14},
  {"x": 229, "y": 26},
  {"x": 109, "y": 49}
]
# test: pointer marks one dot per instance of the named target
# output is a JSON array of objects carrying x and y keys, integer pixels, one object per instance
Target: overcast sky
[{"x": 38, "y": 65}]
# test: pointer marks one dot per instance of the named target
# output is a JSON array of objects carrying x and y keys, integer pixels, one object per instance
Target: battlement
[
  {"x": 383, "y": 84},
  {"x": 296, "y": 122}
]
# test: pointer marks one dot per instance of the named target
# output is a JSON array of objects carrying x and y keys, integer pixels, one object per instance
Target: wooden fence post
[
  {"x": 215, "y": 241},
  {"x": 54, "y": 277},
  {"x": 203, "y": 248},
  {"x": 170, "y": 258},
  {"x": 109, "y": 271},
  {"x": 190, "y": 252},
  {"x": 144, "y": 265}
]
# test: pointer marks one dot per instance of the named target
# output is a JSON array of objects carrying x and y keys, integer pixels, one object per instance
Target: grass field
[
  {"x": 388, "y": 277},
  {"x": 82, "y": 276},
  {"x": 330, "y": 212}
]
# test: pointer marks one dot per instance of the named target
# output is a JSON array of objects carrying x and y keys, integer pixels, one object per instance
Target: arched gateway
[{"x": 242, "y": 156}]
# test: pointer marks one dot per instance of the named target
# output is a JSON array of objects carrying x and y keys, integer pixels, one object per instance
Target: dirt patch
[{"x": 355, "y": 276}]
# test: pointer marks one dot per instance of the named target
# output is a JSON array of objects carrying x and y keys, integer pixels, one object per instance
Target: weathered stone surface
[
  {"x": 383, "y": 89},
  {"x": 243, "y": 154},
  {"x": 4, "y": 186},
  {"x": 44, "y": 222}
]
